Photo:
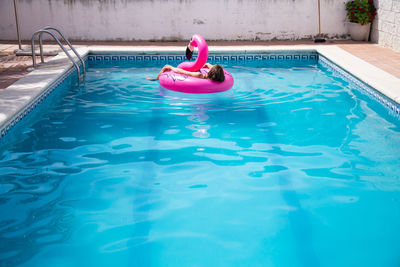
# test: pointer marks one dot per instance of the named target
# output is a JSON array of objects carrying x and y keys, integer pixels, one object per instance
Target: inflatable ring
[{"x": 188, "y": 84}]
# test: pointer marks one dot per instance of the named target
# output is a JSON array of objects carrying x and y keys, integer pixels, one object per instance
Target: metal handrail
[
  {"x": 59, "y": 43},
  {"x": 65, "y": 40}
]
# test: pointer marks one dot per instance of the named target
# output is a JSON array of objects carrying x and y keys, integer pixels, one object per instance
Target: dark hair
[{"x": 216, "y": 73}]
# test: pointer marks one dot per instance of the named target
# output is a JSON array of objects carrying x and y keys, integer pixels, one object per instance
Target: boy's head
[{"x": 216, "y": 73}]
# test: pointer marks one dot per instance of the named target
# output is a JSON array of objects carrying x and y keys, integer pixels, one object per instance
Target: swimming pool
[{"x": 294, "y": 166}]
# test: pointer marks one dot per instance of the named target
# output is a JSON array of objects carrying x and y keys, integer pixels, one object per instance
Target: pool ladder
[{"x": 49, "y": 30}]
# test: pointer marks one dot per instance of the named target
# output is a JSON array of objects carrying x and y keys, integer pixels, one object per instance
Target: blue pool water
[{"x": 292, "y": 167}]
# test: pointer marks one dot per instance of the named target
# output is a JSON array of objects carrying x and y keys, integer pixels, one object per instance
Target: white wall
[
  {"x": 175, "y": 19},
  {"x": 386, "y": 27}
]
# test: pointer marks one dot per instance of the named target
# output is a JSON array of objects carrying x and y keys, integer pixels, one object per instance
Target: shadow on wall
[{"x": 374, "y": 35}]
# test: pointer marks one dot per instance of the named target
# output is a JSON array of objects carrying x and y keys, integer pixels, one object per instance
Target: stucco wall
[
  {"x": 386, "y": 27},
  {"x": 175, "y": 19}
]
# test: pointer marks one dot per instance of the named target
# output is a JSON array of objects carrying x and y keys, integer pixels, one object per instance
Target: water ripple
[{"x": 120, "y": 170}]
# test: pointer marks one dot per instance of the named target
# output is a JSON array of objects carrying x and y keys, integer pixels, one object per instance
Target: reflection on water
[{"x": 200, "y": 117}]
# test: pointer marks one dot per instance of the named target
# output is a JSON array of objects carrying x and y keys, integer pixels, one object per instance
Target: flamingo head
[{"x": 189, "y": 50}]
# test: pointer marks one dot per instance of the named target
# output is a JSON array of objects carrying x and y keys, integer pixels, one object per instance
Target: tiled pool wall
[
  {"x": 307, "y": 57},
  {"x": 304, "y": 56},
  {"x": 313, "y": 57},
  {"x": 357, "y": 84}
]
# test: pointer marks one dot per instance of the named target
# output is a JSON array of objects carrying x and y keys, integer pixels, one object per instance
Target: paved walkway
[
  {"x": 383, "y": 58},
  {"x": 14, "y": 67}
]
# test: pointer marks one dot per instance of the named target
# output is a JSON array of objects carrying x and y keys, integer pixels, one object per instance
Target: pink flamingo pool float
[{"x": 187, "y": 84}]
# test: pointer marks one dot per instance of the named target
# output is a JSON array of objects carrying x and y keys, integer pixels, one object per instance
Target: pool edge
[
  {"x": 20, "y": 98},
  {"x": 378, "y": 79}
]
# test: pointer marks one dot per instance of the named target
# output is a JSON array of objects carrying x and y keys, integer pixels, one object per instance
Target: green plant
[{"x": 361, "y": 11}]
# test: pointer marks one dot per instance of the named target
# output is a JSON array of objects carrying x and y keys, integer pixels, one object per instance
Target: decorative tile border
[
  {"x": 212, "y": 58},
  {"x": 134, "y": 58},
  {"x": 37, "y": 101},
  {"x": 361, "y": 86}
]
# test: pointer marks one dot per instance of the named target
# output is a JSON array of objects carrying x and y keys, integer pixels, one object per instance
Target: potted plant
[{"x": 360, "y": 14}]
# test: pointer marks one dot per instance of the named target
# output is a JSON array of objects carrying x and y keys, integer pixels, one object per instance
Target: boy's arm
[{"x": 164, "y": 69}]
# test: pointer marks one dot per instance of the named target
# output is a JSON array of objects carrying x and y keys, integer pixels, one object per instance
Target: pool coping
[{"x": 16, "y": 98}]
